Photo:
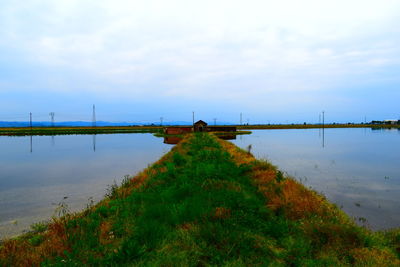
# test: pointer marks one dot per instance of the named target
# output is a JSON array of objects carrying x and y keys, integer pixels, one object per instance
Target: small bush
[
  {"x": 36, "y": 240},
  {"x": 39, "y": 227}
]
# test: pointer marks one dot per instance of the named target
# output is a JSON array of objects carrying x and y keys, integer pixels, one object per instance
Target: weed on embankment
[{"x": 206, "y": 203}]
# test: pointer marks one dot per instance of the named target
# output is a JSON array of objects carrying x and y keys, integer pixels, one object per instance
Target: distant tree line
[{"x": 386, "y": 122}]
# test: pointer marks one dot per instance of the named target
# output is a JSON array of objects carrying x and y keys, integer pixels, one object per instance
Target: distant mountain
[{"x": 98, "y": 123}]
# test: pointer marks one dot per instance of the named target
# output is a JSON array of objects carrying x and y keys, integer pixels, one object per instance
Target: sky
[{"x": 273, "y": 61}]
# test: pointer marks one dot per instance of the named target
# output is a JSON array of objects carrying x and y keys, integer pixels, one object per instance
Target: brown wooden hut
[
  {"x": 200, "y": 126},
  {"x": 178, "y": 129}
]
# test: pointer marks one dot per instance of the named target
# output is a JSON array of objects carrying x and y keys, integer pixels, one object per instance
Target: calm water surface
[
  {"x": 357, "y": 169},
  {"x": 35, "y": 178}
]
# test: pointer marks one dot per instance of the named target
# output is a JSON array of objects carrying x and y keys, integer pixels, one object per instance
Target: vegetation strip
[
  {"x": 317, "y": 126},
  {"x": 26, "y": 131},
  {"x": 206, "y": 203}
]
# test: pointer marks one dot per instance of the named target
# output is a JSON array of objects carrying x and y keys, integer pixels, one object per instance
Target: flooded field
[
  {"x": 37, "y": 174},
  {"x": 355, "y": 168},
  {"x": 358, "y": 169}
]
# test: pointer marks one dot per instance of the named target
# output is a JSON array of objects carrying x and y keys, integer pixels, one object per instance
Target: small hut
[
  {"x": 200, "y": 126},
  {"x": 177, "y": 129}
]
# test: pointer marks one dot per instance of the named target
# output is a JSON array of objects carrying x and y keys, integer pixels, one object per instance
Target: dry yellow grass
[{"x": 289, "y": 195}]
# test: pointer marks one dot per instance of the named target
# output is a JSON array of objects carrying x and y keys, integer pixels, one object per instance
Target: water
[
  {"x": 358, "y": 169},
  {"x": 36, "y": 176}
]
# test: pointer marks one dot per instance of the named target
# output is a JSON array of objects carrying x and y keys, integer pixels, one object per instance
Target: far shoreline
[{"x": 74, "y": 130}]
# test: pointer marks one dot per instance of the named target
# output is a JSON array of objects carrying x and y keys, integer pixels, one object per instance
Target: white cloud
[{"x": 190, "y": 48}]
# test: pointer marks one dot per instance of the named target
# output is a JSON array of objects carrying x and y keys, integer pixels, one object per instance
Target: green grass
[
  {"x": 199, "y": 207},
  {"x": 174, "y": 218}
]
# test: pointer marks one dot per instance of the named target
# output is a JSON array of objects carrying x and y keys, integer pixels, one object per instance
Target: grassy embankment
[
  {"x": 316, "y": 126},
  {"x": 27, "y": 131},
  {"x": 24, "y": 131},
  {"x": 206, "y": 202}
]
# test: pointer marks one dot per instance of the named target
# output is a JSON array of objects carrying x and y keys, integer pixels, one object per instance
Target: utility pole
[
  {"x": 94, "y": 116},
  {"x": 240, "y": 118},
  {"x": 30, "y": 123},
  {"x": 215, "y": 121},
  {"x": 323, "y": 128},
  {"x": 52, "y": 118},
  {"x": 193, "y": 117},
  {"x": 161, "y": 119}
]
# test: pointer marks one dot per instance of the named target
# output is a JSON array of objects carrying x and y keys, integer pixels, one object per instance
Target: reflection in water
[
  {"x": 385, "y": 129},
  {"x": 53, "y": 142},
  {"x": 228, "y": 136},
  {"x": 172, "y": 140},
  {"x": 94, "y": 143},
  {"x": 322, "y": 130},
  {"x": 357, "y": 171}
]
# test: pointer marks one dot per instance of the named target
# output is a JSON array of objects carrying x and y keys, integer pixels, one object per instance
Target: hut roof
[{"x": 200, "y": 122}]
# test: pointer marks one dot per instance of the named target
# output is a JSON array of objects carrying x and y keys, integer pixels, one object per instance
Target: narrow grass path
[{"x": 206, "y": 203}]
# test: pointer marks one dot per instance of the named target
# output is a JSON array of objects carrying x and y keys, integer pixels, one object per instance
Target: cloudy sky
[{"x": 274, "y": 61}]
